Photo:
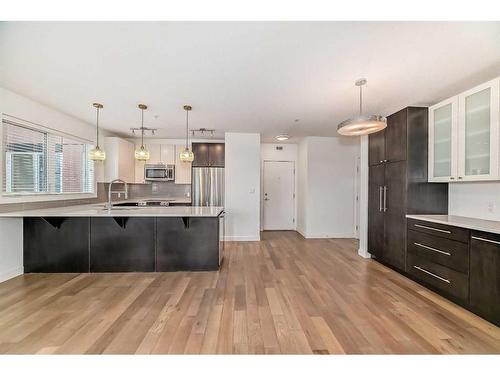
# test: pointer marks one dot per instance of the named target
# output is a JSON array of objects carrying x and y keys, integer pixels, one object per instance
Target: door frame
[{"x": 264, "y": 161}]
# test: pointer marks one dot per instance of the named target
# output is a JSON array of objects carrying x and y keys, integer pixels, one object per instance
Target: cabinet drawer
[
  {"x": 440, "y": 230},
  {"x": 444, "y": 279},
  {"x": 448, "y": 253}
]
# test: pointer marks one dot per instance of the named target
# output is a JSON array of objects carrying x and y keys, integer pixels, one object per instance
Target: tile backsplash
[{"x": 154, "y": 190}]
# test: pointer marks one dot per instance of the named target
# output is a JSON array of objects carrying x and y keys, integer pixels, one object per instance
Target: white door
[{"x": 279, "y": 195}]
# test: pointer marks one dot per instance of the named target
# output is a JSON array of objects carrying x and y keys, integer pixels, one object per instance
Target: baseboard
[
  {"x": 11, "y": 273},
  {"x": 364, "y": 254},
  {"x": 242, "y": 238},
  {"x": 327, "y": 235}
]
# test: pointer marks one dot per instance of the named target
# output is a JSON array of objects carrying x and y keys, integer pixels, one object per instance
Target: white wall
[
  {"x": 329, "y": 195},
  {"x": 23, "y": 108},
  {"x": 14, "y": 105},
  {"x": 268, "y": 152},
  {"x": 302, "y": 187},
  {"x": 11, "y": 248},
  {"x": 475, "y": 199},
  {"x": 242, "y": 186}
]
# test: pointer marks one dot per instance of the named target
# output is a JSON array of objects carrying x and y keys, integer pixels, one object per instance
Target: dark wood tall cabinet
[{"x": 398, "y": 184}]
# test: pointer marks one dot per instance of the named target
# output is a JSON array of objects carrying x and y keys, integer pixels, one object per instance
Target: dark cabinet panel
[
  {"x": 376, "y": 148},
  {"x": 395, "y": 136},
  {"x": 61, "y": 245},
  {"x": 216, "y": 154},
  {"x": 395, "y": 220},
  {"x": 187, "y": 244},
  {"x": 200, "y": 151},
  {"x": 122, "y": 244},
  {"x": 448, "y": 253},
  {"x": 208, "y": 154},
  {"x": 440, "y": 230},
  {"x": 451, "y": 283},
  {"x": 376, "y": 176},
  {"x": 418, "y": 144},
  {"x": 485, "y": 275}
]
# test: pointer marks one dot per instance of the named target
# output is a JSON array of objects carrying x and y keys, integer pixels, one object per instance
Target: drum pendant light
[
  {"x": 362, "y": 124},
  {"x": 96, "y": 153},
  {"x": 142, "y": 153},
  {"x": 187, "y": 155}
]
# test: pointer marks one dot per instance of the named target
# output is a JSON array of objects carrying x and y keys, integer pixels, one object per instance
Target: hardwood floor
[{"x": 281, "y": 295}]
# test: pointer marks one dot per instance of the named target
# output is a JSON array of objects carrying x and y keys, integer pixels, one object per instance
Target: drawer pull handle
[
  {"x": 485, "y": 240},
  {"x": 432, "y": 249},
  {"x": 432, "y": 274},
  {"x": 431, "y": 228}
]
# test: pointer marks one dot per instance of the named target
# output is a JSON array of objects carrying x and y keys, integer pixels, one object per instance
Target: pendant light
[
  {"x": 362, "y": 124},
  {"x": 142, "y": 153},
  {"x": 96, "y": 153},
  {"x": 187, "y": 155}
]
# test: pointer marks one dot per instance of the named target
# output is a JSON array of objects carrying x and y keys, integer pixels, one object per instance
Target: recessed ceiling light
[{"x": 282, "y": 137}]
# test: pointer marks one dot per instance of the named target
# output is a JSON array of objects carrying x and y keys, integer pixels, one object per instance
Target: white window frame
[{"x": 39, "y": 197}]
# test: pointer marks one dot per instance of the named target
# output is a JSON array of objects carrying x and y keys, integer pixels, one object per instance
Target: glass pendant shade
[
  {"x": 97, "y": 154},
  {"x": 141, "y": 153},
  {"x": 362, "y": 124},
  {"x": 186, "y": 155}
]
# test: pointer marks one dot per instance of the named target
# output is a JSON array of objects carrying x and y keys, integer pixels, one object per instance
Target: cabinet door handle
[
  {"x": 385, "y": 198},
  {"x": 485, "y": 240},
  {"x": 431, "y": 228},
  {"x": 432, "y": 274},
  {"x": 432, "y": 249},
  {"x": 380, "y": 198}
]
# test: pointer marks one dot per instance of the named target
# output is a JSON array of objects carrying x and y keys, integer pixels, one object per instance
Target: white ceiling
[{"x": 243, "y": 76}]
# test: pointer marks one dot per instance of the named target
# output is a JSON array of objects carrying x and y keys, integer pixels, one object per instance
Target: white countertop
[
  {"x": 461, "y": 221},
  {"x": 98, "y": 210}
]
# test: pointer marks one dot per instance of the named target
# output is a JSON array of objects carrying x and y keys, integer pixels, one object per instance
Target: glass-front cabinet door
[
  {"x": 478, "y": 130},
  {"x": 443, "y": 141}
]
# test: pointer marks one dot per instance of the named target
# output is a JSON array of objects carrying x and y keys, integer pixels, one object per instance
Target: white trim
[
  {"x": 364, "y": 254},
  {"x": 327, "y": 235},
  {"x": 241, "y": 238},
  {"x": 11, "y": 273}
]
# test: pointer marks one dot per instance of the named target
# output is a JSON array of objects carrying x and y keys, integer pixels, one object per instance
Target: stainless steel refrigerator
[{"x": 207, "y": 186}]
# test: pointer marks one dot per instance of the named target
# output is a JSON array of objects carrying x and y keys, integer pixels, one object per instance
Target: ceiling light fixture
[
  {"x": 362, "y": 124},
  {"x": 282, "y": 137},
  {"x": 96, "y": 153},
  {"x": 142, "y": 153},
  {"x": 187, "y": 155}
]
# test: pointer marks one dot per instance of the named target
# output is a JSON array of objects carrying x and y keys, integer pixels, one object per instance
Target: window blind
[{"x": 43, "y": 162}]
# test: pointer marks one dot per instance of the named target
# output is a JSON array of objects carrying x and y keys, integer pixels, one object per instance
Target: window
[{"x": 44, "y": 162}]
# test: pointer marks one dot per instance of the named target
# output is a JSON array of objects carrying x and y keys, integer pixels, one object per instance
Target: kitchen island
[{"x": 91, "y": 238}]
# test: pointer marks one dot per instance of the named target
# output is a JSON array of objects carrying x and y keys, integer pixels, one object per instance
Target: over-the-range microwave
[{"x": 159, "y": 172}]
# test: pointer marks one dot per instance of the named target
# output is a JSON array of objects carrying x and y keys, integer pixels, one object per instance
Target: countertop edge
[{"x": 490, "y": 226}]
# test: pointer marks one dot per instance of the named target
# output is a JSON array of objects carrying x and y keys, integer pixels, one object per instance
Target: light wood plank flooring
[{"x": 281, "y": 295}]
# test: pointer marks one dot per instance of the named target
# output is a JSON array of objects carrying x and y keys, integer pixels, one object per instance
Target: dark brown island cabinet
[
  {"x": 208, "y": 154},
  {"x": 398, "y": 184},
  {"x": 123, "y": 244},
  {"x": 460, "y": 264}
]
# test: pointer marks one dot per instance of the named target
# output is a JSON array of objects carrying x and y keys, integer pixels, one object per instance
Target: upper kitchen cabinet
[
  {"x": 120, "y": 162},
  {"x": 395, "y": 137},
  {"x": 161, "y": 154},
  {"x": 464, "y": 137},
  {"x": 376, "y": 148},
  {"x": 443, "y": 141},
  {"x": 182, "y": 169},
  {"x": 208, "y": 154}
]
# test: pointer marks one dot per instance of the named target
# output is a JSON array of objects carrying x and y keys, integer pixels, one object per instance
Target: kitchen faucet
[{"x": 111, "y": 191}]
